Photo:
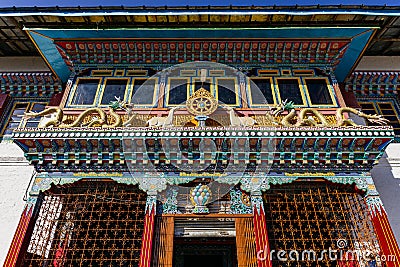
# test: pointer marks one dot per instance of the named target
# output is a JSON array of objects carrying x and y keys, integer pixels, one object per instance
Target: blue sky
[{"x": 21, "y": 3}]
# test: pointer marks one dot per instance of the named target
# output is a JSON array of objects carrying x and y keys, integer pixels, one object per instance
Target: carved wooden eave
[
  {"x": 43, "y": 84},
  {"x": 275, "y": 149}
]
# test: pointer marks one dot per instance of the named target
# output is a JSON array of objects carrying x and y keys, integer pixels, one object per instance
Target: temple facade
[{"x": 200, "y": 136}]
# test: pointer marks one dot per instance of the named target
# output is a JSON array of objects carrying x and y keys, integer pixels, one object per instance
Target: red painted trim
[
  {"x": 386, "y": 238},
  {"x": 147, "y": 241},
  {"x": 19, "y": 236},
  {"x": 261, "y": 235}
]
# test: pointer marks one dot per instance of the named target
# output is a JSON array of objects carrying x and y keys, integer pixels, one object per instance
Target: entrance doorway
[
  {"x": 203, "y": 260},
  {"x": 200, "y": 252}
]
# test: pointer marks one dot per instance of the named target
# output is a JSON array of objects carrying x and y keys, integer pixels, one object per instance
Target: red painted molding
[
  {"x": 147, "y": 240},
  {"x": 261, "y": 235},
  {"x": 17, "y": 242}
]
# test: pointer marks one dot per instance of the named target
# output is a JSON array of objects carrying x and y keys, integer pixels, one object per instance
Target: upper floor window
[
  {"x": 318, "y": 91},
  {"x": 144, "y": 91},
  {"x": 113, "y": 88},
  {"x": 100, "y": 90},
  {"x": 261, "y": 91},
  {"x": 290, "y": 89},
  {"x": 85, "y": 91},
  {"x": 178, "y": 91},
  {"x": 16, "y": 118},
  {"x": 386, "y": 109},
  {"x": 205, "y": 85},
  {"x": 227, "y": 91}
]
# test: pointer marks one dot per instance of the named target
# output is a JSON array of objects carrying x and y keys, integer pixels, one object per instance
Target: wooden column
[
  {"x": 148, "y": 232},
  {"x": 390, "y": 252},
  {"x": 164, "y": 242},
  {"x": 260, "y": 230},
  {"x": 245, "y": 242}
]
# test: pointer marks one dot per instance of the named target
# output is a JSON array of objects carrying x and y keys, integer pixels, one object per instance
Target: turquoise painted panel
[
  {"x": 53, "y": 57},
  {"x": 351, "y": 55}
]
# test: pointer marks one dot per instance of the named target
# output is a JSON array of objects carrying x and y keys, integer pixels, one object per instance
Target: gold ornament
[{"x": 201, "y": 103}]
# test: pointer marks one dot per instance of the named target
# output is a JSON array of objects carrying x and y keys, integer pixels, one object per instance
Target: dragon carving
[
  {"x": 294, "y": 120},
  {"x": 56, "y": 117}
]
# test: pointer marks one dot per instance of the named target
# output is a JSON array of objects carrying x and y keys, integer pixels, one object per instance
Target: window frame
[
  {"x": 22, "y": 124},
  {"x": 273, "y": 91},
  {"x": 378, "y": 110},
  {"x": 368, "y": 102},
  {"x": 301, "y": 88},
  {"x": 396, "y": 113},
  {"x": 197, "y": 79},
  {"x": 132, "y": 88},
  {"x": 103, "y": 84},
  {"x": 237, "y": 93},
  {"x": 330, "y": 90},
  {"x": 168, "y": 88},
  {"x": 75, "y": 86}
]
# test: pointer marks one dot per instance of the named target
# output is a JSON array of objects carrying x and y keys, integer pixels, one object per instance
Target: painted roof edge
[{"x": 203, "y": 10}]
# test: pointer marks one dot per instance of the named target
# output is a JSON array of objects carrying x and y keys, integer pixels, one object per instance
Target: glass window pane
[
  {"x": 226, "y": 91},
  {"x": 31, "y": 124},
  {"x": 385, "y": 105},
  {"x": 289, "y": 89},
  {"x": 391, "y": 118},
  {"x": 261, "y": 91},
  {"x": 178, "y": 91},
  {"x": 318, "y": 91},
  {"x": 34, "y": 122},
  {"x": 113, "y": 88},
  {"x": 395, "y": 125},
  {"x": 368, "y": 108},
  {"x": 19, "y": 111},
  {"x": 388, "y": 112},
  {"x": 16, "y": 118},
  {"x": 367, "y": 105},
  {"x": 37, "y": 107},
  {"x": 14, "y": 124},
  {"x": 143, "y": 91},
  {"x": 85, "y": 92},
  {"x": 369, "y": 111},
  {"x": 205, "y": 85}
]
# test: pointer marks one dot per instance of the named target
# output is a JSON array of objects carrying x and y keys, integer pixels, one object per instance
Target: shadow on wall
[{"x": 389, "y": 189}]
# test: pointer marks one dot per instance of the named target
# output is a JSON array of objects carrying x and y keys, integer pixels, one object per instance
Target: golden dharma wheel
[{"x": 201, "y": 103}]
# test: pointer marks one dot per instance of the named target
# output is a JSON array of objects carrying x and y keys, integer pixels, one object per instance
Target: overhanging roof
[
  {"x": 347, "y": 44},
  {"x": 15, "y": 41}
]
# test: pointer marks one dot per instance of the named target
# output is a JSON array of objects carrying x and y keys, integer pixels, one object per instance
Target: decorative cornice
[
  {"x": 278, "y": 149},
  {"x": 373, "y": 83},
  {"x": 264, "y": 51},
  {"x": 30, "y": 84}
]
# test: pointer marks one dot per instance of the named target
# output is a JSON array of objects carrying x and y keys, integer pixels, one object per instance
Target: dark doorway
[
  {"x": 209, "y": 252},
  {"x": 203, "y": 260}
]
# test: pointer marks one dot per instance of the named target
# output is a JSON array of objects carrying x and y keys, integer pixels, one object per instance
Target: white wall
[
  {"x": 15, "y": 174},
  {"x": 386, "y": 176}
]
